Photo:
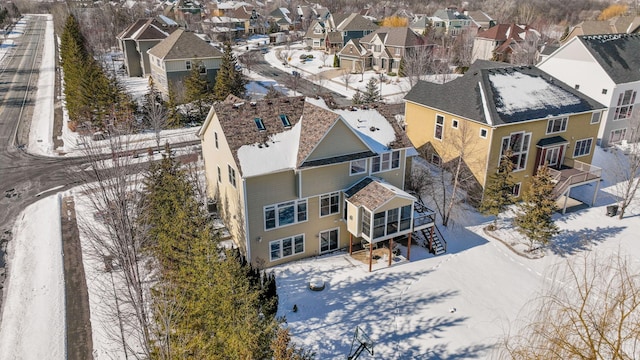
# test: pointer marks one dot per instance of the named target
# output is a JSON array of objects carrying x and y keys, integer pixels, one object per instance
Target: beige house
[
  {"x": 494, "y": 109},
  {"x": 174, "y": 57},
  {"x": 294, "y": 179}
]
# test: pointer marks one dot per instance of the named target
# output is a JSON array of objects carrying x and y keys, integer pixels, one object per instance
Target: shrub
[
  {"x": 72, "y": 125},
  {"x": 391, "y": 74}
]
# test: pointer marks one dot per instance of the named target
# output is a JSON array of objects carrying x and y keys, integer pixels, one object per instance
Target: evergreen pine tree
[
  {"x": 498, "y": 194},
  {"x": 357, "y": 98},
  {"x": 229, "y": 80},
  {"x": 401, "y": 68},
  {"x": 173, "y": 115},
  {"x": 196, "y": 91},
  {"x": 371, "y": 92},
  {"x": 534, "y": 218},
  {"x": 336, "y": 61},
  {"x": 272, "y": 93}
]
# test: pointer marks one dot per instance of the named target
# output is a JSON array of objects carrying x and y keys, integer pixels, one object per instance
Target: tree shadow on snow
[{"x": 570, "y": 242}]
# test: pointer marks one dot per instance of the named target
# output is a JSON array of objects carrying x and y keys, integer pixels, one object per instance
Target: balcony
[{"x": 573, "y": 173}]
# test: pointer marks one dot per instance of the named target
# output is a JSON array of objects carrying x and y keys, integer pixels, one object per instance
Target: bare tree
[
  {"x": 626, "y": 170},
  {"x": 113, "y": 178},
  {"x": 249, "y": 59},
  {"x": 455, "y": 182},
  {"x": 346, "y": 77},
  {"x": 156, "y": 116},
  {"x": 590, "y": 311},
  {"x": 324, "y": 56},
  {"x": 416, "y": 63}
]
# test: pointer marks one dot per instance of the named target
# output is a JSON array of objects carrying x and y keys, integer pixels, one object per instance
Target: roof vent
[
  {"x": 237, "y": 105},
  {"x": 373, "y": 128},
  {"x": 253, "y": 103}
]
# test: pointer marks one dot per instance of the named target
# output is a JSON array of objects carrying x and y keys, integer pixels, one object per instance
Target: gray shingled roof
[
  {"x": 395, "y": 36},
  {"x": 356, "y": 22},
  {"x": 145, "y": 29},
  {"x": 617, "y": 54},
  {"x": 183, "y": 44},
  {"x": 521, "y": 102}
]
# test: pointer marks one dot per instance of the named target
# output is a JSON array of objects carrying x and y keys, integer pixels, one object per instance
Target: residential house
[
  {"x": 492, "y": 110},
  {"x": 605, "y": 68},
  {"x": 333, "y": 33},
  {"x": 135, "y": 40},
  {"x": 174, "y": 57},
  {"x": 382, "y": 50},
  {"x": 500, "y": 42},
  {"x": 293, "y": 179},
  {"x": 282, "y": 17},
  {"x": 450, "y": 21},
  {"x": 482, "y": 20},
  {"x": 626, "y": 24}
]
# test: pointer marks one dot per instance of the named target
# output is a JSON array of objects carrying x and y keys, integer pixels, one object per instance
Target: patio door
[
  {"x": 552, "y": 157},
  {"x": 328, "y": 240}
]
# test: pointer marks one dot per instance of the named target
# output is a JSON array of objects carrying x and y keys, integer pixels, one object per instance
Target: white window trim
[
  {"x": 576, "y": 146},
  {"x": 293, "y": 247},
  {"x": 366, "y": 167},
  {"x": 215, "y": 138},
  {"x": 219, "y": 175},
  {"x": 329, "y": 195},
  {"x": 621, "y": 138},
  {"x": 320, "y": 240},
  {"x": 455, "y": 123},
  {"x": 187, "y": 64},
  {"x": 519, "y": 184},
  {"x": 599, "y": 113},
  {"x": 526, "y": 161},
  {"x": 435, "y": 126},
  {"x": 231, "y": 170},
  {"x": 564, "y": 119},
  {"x": 486, "y": 132},
  {"x": 390, "y": 162},
  {"x": 275, "y": 207}
]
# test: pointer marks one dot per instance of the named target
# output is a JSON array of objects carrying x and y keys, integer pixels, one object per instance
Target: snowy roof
[
  {"x": 274, "y": 146},
  {"x": 372, "y": 193},
  {"x": 498, "y": 94},
  {"x": 184, "y": 45}
]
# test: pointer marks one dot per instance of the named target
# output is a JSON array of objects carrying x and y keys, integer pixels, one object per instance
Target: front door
[{"x": 552, "y": 157}]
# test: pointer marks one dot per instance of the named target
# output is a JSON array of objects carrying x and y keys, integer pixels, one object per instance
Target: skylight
[
  {"x": 285, "y": 120},
  {"x": 260, "y": 124}
]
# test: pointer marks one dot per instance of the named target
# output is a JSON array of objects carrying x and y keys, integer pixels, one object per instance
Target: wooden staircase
[{"x": 438, "y": 244}]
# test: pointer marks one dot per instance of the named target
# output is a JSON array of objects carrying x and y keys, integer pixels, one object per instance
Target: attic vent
[
  {"x": 259, "y": 124},
  {"x": 237, "y": 105}
]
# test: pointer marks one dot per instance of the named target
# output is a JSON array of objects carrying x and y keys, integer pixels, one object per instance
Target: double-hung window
[
  {"x": 557, "y": 125},
  {"x": 286, "y": 213},
  {"x": 358, "y": 167},
  {"x": 330, "y": 204},
  {"x": 439, "y": 129},
  {"x": 386, "y": 161},
  {"x": 232, "y": 175},
  {"x": 624, "y": 107},
  {"x": 283, "y": 248},
  {"x": 583, "y": 147},
  {"x": 188, "y": 65}
]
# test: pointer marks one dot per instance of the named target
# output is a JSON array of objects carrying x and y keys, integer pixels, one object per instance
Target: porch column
[
  {"x": 370, "y": 255},
  {"x": 350, "y": 244},
  {"x": 409, "y": 248},
  {"x": 595, "y": 194},
  {"x": 390, "y": 250},
  {"x": 566, "y": 197}
]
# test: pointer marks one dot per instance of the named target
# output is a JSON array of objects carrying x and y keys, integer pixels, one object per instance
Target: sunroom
[{"x": 377, "y": 211}]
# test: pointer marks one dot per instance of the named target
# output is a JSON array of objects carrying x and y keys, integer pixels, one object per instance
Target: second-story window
[
  {"x": 557, "y": 125},
  {"x": 232, "y": 175},
  {"x": 386, "y": 161},
  {"x": 624, "y": 108},
  {"x": 215, "y": 137},
  {"x": 188, "y": 65},
  {"x": 330, "y": 204},
  {"x": 437, "y": 133},
  {"x": 518, "y": 143},
  {"x": 358, "y": 167},
  {"x": 286, "y": 213}
]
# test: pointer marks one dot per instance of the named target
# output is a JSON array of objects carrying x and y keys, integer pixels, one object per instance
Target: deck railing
[
  {"x": 587, "y": 172},
  {"x": 422, "y": 215}
]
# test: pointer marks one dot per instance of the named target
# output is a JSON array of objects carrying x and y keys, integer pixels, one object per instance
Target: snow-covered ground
[
  {"x": 456, "y": 305},
  {"x": 320, "y": 70},
  {"x": 41, "y": 130}
]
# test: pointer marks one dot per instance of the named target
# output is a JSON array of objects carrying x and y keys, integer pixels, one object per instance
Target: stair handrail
[{"x": 444, "y": 242}]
